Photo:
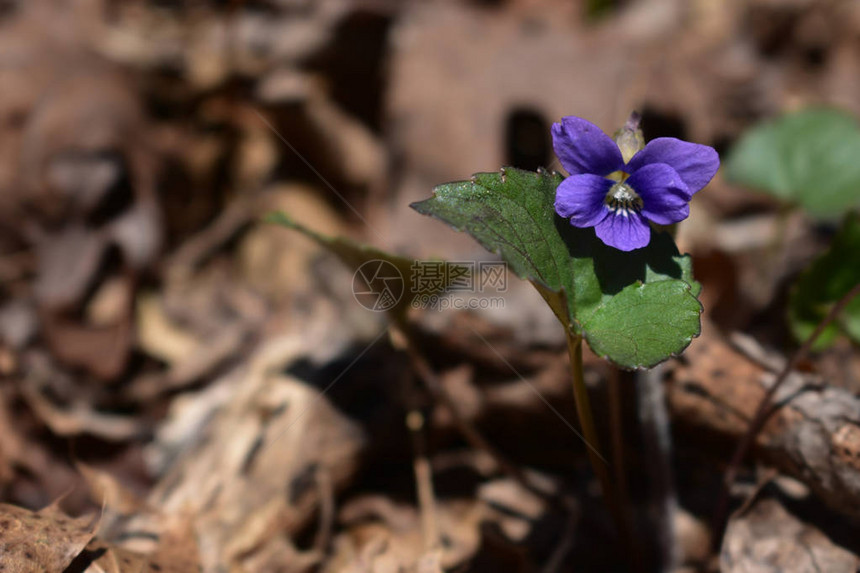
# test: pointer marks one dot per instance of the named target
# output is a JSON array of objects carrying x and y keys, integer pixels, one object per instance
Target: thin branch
[
  {"x": 423, "y": 480},
  {"x": 766, "y": 409}
]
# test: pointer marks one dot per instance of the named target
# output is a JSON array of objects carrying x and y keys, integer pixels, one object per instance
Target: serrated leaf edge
[{"x": 687, "y": 340}]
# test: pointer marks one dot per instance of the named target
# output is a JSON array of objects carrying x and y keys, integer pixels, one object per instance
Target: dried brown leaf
[
  {"x": 250, "y": 475},
  {"x": 177, "y": 550},
  {"x": 768, "y": 538},
  {"x": 42, "y": 541},
  {"x": 108, "y": 491}
]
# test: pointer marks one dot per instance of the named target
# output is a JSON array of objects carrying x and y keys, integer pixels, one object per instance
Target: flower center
[
  {"x": 618, "y": 176},
  {"x": 622, "y": 200}
]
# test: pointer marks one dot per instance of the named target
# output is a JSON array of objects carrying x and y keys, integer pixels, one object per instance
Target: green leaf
[
  {"x": 828, "y": 279},
  {"x": 354, "y": 255},
  {"x": 808, "y": 158},
  {"x": 643, "y": 322},
  {"x": 609, "y": 296}
]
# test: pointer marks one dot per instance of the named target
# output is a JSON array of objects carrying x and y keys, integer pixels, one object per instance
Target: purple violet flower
[{"x": 618, "y": 190}]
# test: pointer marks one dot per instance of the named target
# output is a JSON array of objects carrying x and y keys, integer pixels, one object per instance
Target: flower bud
[{"x": 629, "y": 138}]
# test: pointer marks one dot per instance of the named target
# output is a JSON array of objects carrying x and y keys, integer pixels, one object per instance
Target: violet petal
[
  {"x": 665, "y": 197},
  {"x": 582, "y": 147},
  {"x": 625, "y": 233},
  {"x": 580, "y": 199},
  {"x": 696, "y": 164}
]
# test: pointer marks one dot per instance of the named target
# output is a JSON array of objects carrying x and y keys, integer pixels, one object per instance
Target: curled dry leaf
[
  {"x": 41, "y": 541},
  {"x": 768, "y": 538},
  {"x": 251, "y": 473},
  {"x": 814, "y": 436}
]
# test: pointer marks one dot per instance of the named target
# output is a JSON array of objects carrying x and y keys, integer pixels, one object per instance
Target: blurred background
[{"x": 168, "y": 357}]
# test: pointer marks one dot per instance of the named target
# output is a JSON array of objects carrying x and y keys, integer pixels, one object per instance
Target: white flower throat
[{"x": 622, "y": 200}]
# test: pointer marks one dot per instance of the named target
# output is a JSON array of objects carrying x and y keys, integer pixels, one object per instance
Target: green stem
[
  {"x": 583, "y": 410},
  {"x": 616, "y": 432},
  {"x": 598, "y": 462}
]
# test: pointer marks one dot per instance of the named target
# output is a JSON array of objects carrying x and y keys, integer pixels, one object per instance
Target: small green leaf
[
  {"x": 507, "y": 213},
  {"x": 587, "y": 284},
  {"x": 827, "y": 280},
  {"x": 354, "y": 255},
  {"x": 808, "y": 158},
  {"x": 644, "y": 322}
]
